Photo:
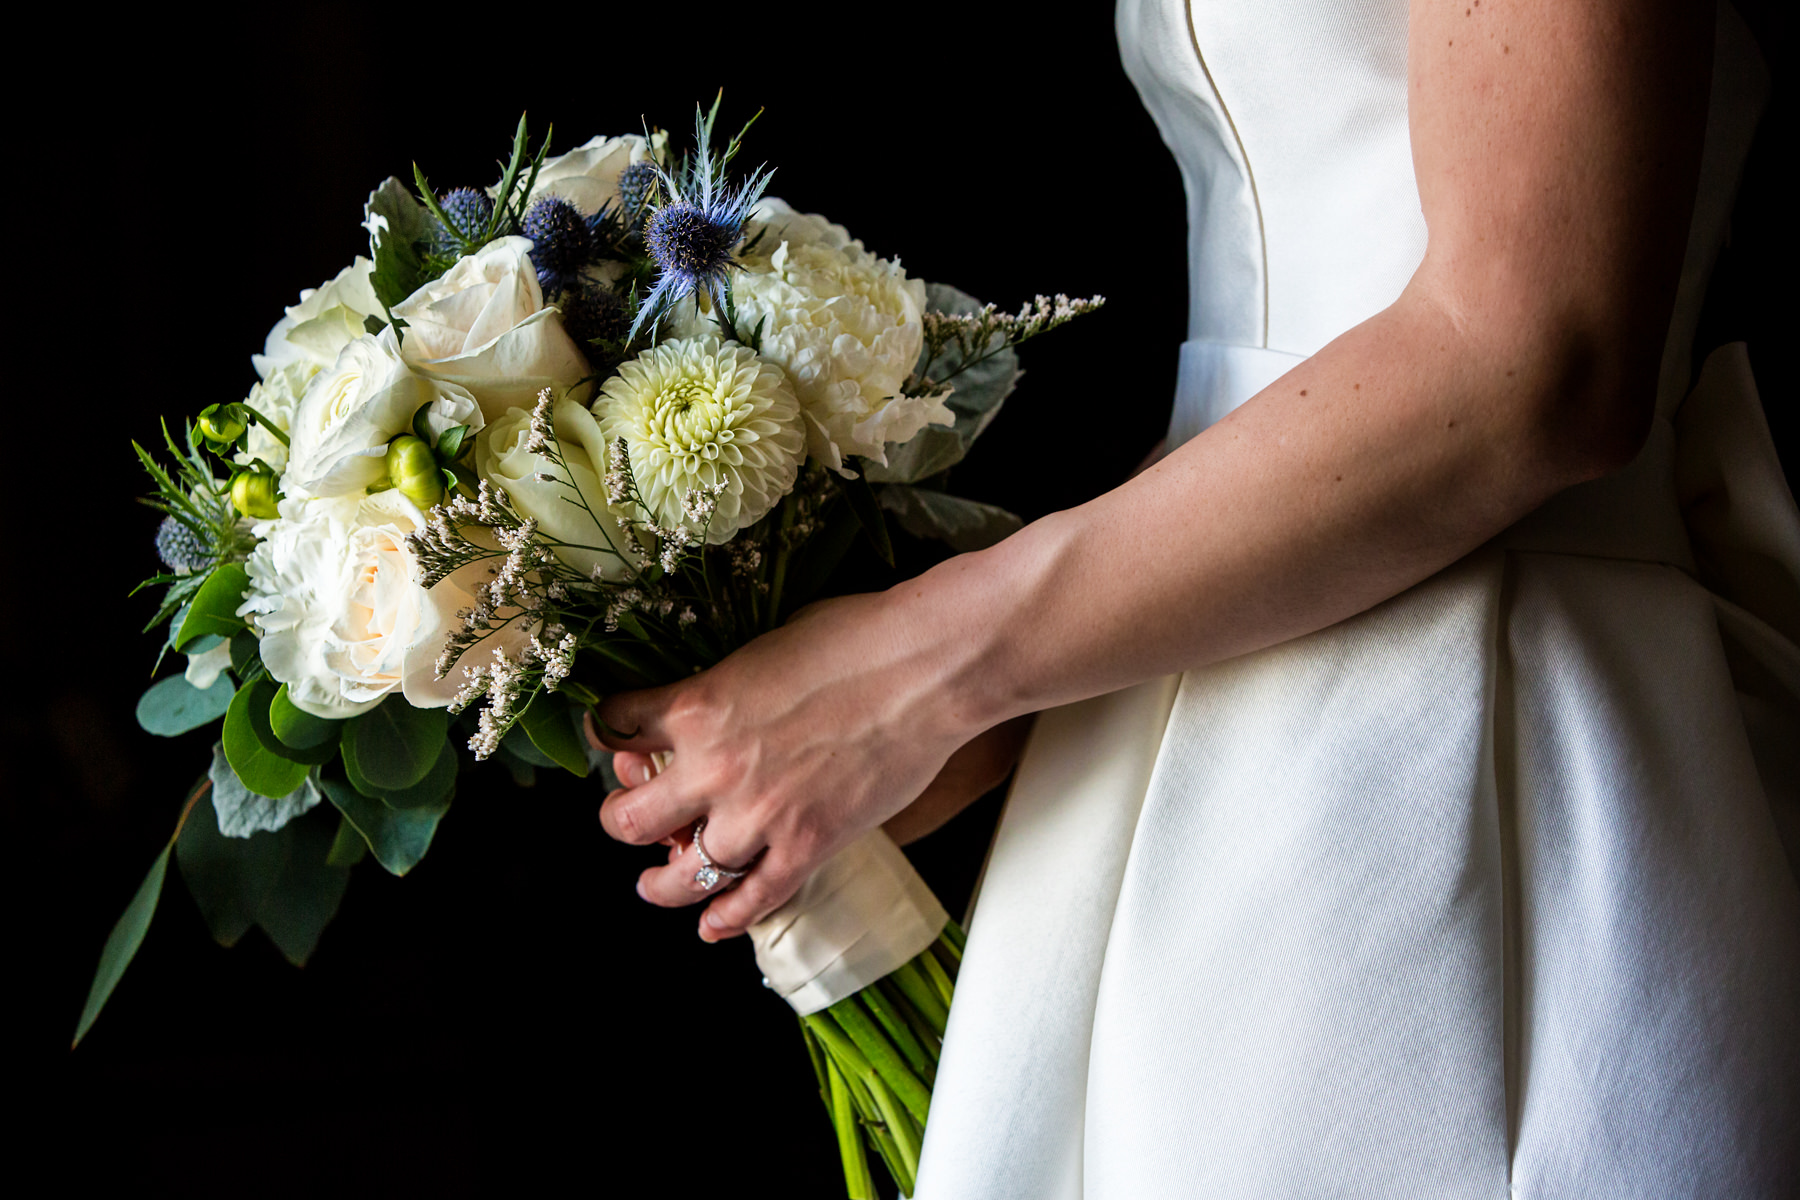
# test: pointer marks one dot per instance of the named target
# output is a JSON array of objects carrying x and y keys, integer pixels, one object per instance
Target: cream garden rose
[
  {"x": 699, "y": 413},
  {"x": 591, "y": 537},
  {"x": 340, "y": 616},
  {"x": 847, "y": 328},
  {"x": 328, "y": 318},
  {"x": 588, "y": 176},
  {"x": 340, "y": 430},
  {"x": 483, "y": 326}
]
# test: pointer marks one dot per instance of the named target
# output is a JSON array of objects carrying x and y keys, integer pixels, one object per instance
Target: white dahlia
[
  {"x": 847, "y": 328},
  {"x": 696, "y": 413}
]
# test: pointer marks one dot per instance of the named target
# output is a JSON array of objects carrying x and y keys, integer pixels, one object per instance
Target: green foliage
[
  {"x": 128, "y": 932},
  {"x": 436, "y": 787},
  {"x": 173, "y": 706},
  {"x": 399, "y": 228},
  {"x": 278, "y": 880},
  {"x": 300, "y": 730},
  {"x": 398, "y": 837},
  {"x": 814, "y": 560},
  {"x": 549, "y": 722},
  {"x": 393, "y": 746},
  {"x": 964, "y": 525},
  {"x": 868, "y": 511},
  {"x": 122, "y": 944},
  {"x": 214, "y": 606},
  {"x": 257, "y": 757}
]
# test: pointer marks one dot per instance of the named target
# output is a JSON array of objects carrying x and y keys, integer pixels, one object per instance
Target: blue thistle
[
  {"x": 469, "y": 210},
  {"x": 180, "y": 548},
  {"x": 637, "y": 183},
  {"x": 691, "y": 236},
  {"x": 561, "y": 243}
]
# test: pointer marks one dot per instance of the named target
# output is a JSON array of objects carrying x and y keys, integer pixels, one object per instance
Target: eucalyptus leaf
[
  {"x": 398, "y": 838},
  {"x": 977, "y": 393},
  {"x": 246, "y": 751},
  {"x": 348, "y": 847},
  {"x": 297, "y": 728},
  {"x": 304, "y": 895},
  {"x": 214, "y": 607},
  {"x": 122, "y": 944},
  {"x": 964, "y": 524},
  {"x": 246, "y": 656},
  {"x": 549, "y": 723},
  {"x": 280, "y": 880},
  {"x": 173, "y": 706},
  {"x": 438, "y": 784},
  {"x": 242, "y": 811},
  {"x": 393, "y": 745},
  {"x": 518, "y": 744}
]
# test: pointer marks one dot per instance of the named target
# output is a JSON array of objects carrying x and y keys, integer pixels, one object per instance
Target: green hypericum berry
[
  {"x": 414, "y": 471},
  {"x": 253, "y": 494}
]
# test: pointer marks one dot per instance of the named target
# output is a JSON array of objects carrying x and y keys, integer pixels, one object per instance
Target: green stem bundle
[{"x": 876, "y": 1054}]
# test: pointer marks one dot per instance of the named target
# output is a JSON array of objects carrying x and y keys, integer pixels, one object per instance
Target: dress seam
[{"x": 1262, "y": 236}]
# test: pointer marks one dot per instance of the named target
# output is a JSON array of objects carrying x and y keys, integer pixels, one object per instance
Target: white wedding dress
[{"x": 1481, "y": 893}]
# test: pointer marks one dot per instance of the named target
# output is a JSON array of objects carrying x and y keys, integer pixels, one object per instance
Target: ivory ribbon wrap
[{"x": 861, "y": 916}]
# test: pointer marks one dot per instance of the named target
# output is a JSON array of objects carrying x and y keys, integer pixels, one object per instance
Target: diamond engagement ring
[{"x": 710, "y": 873}]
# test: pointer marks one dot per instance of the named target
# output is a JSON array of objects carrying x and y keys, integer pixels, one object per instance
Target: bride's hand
[{"x": 789, "y": 749}]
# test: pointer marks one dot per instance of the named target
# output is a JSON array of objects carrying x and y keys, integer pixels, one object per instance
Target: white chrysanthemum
[
  {"x": 698, "y": 413},
  {"x": 340, "y": 615},
  {"x": 846, "y": 327}
]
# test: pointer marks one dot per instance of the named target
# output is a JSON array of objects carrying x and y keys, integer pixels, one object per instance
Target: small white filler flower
[{"x": 698, "y": 413}]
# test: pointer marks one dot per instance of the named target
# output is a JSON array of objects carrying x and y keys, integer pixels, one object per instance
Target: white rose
[
  {"x": 502, "y": 459},
  {"x": 340, "y": 430},
  {"x": 328, "y": 318},
  {"x": 275, "y": 397},
  {"x": 588, "y": 176},
  {"x": 847, "y": 328},
  {"x": 482, "y": 325},
  {"x": 341, "y": 618}
]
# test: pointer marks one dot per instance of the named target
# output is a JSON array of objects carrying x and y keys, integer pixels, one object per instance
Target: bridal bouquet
[{"x": 589, "y": 429}]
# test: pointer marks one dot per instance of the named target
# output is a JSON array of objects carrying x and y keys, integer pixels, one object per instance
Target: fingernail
[
  {"x": 642, "y": 774},
  {"x": 640, "y": 890},
  {"x": 713, "y": 921}
]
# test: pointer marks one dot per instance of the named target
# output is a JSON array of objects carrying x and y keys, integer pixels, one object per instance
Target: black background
[{"x": 510, "y": 1015}]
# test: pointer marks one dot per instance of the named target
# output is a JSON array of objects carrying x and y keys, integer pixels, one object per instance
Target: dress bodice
[{"x": 1288, "y": 121}]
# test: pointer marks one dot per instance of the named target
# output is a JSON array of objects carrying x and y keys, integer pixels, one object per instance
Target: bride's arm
[{"x": 1556, "y": 146}]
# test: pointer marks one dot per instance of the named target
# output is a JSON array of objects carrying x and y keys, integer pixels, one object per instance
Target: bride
[{"x": 1405, "y": 809}]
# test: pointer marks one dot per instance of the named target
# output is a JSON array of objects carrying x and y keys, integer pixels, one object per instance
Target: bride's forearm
[{"x": 1393, "y": 452}]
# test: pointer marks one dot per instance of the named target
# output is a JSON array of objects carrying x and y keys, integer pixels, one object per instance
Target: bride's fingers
[
  {"x": 633, "y": 768},
  {"x": 675, "y": 885},
  {"x": 649, "y": 812},
  {"x": 768, "y": 886},
  {"x": 632, "y": 721}
]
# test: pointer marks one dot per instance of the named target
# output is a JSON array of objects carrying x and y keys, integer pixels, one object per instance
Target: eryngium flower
[
  {"x": 692, "y": 235},
  {"x": 636, "y": 185},
  {"x": 469, "y": 210},
  {"x": 181, "y": 549},
  {"x": 561, "y": 242},
  {"x": 697, "y": 413}
]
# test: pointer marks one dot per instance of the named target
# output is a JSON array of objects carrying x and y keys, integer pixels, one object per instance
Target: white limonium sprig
[{"x": 980, "y": 335}]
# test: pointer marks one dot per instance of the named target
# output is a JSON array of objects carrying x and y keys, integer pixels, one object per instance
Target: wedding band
[{"x": 711, "y": 873}]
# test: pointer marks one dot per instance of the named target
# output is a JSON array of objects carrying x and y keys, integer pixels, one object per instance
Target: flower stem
[
  {"x": 858, "y": 1183},
  {"x": 884, "y": 1061}
]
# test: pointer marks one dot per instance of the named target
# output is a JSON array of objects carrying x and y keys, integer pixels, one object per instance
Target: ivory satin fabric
[{"x": 1489, "y": 891}]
